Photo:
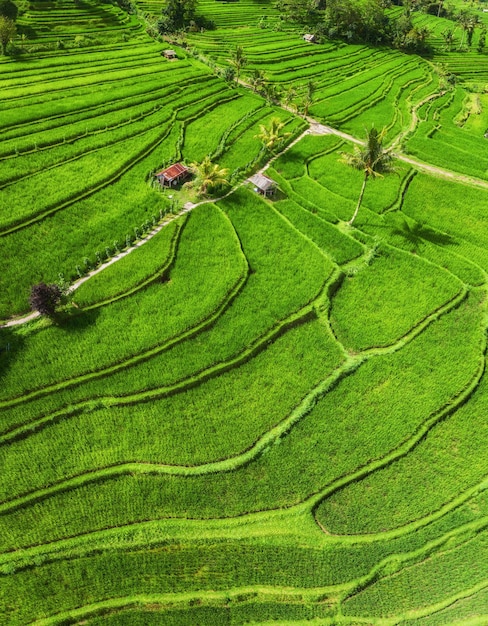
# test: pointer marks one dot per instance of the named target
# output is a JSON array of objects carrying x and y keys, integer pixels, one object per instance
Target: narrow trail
[
  {"x": 315, "y": 128},
  {"x": 415, "y": 117},
  {"x": 189, "y": 206},
  {"x": 322, "y": 129}
]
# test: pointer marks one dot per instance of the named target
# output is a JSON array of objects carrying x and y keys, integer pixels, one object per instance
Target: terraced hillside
[{"x": 263, "y": 415}]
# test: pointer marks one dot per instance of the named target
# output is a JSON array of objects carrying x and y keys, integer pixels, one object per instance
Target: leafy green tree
[
  {"x": 176, "y": 15},
  {"x": 271, "y": 136},
  {"x": 7, "y": 32},
  {"x": 482, "y": 40},
  {"x": 289, "y": 97},
  {"x": 9, "y": 9},
  {"x": 229, "y": 74},
  {"x": 448, "y": 36},
  {"x": 272, "y": 92},
  {"x": 472, "y": 24},
  {"x": 468, "y": 23},
  {"x": 300, "y": 11},
  {"x": 208, "y": 175},
  {"x": 354, "y": 21},
  {"x": 238, "y": 60},
  {"x": 371, "y": 159}
]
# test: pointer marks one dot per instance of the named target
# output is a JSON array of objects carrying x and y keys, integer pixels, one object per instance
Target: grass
[
  {"x": 390, "y": 279},
  {"x": 261, "y": 415},
  {"x": 167, "y": 303}
]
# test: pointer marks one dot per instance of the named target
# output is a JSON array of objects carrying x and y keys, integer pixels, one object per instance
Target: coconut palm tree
[
  {"x": 289, "y": 97},
  {"x": 208, "y": 175},
  {"x": 272, "y": 135},
  {"x": 257, "y": 80},
  {"x": 238, "y": 60},
  {"x": 370, "y": 159}
]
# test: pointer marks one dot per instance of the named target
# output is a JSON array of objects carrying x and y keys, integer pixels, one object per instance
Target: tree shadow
[
  {"x": 417, "y": 233},
  {"x": 74, "y": 320},
  {"x": 28, "y": 31},
  {"x": 11, "y": 343}
]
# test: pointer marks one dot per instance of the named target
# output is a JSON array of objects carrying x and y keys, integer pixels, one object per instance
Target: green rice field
[{"x": 251, "y": 411}]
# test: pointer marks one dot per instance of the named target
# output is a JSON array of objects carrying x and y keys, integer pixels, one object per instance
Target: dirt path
[
  {"x": 442, "y": 172},
  {"x": 315, "y": 128},
  {"x": 189, "y": 206}
]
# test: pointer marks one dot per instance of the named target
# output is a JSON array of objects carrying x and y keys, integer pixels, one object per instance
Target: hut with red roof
[{"x": 172, "y": 175}]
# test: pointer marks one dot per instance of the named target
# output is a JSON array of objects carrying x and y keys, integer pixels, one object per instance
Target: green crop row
[
  {"x": 368, "y": 426},
  {"x": 150, "y": 262},
  {"x": 222, "y": 342},
  {"x": 157, "y": 433},
  {"x": 394, "y": 304},
  {"x": 131, "y": 335},
  {"x": 436, "y": 472}
]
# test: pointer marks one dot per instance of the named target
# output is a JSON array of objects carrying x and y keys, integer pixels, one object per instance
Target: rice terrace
[{"x": 243, "y": 312}]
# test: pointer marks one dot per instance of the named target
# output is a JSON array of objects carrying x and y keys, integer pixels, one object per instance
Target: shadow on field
[
  {"x": 278, "y": 195},
  {"x": 11, "y": 343},
  {"x": 76, "y": 320},
  {"x": 28, "y": 31},
  {"x": 417, "y": 233}
]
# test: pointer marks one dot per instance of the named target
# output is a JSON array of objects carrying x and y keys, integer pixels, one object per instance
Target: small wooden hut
[
  {"x": 169, "y": 54},
  {"x": 309, "y": 37},
  {"x": 172, "y": 175},
  {"x": 262, "y": 184}
]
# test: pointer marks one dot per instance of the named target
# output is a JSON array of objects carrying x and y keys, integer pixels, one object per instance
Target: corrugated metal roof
[
  {"x": 173, "y": 171},
  {"x": 262, "y": 182}
]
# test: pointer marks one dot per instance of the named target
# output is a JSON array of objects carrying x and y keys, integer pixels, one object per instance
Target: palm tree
[
  {"x": 448, "y": 36},
  {"x": 257, "y": 80},
  {"x": 271, "y": 92},
  {"x": 208, "y": 175},
  {"x": 370, "y": 159},
  {"x": 290, "y": 95},
  {"x": 467, "y": 21},
  {"x": 238, "y": 60},
  {"x": 272, "y": 136}
]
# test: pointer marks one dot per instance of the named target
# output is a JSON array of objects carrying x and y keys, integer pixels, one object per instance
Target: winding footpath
[{"x": 315, "y": 128}]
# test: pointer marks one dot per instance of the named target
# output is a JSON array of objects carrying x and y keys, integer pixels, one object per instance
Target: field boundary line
[
  {"x": 405, "y": 447},
  {"x": 150, "y": 468},
  {"x": 206, "y": 322},
  {"x": 395, "y": 562},
  {"x": 8, "y": 229},
  {"x": 349, "y": 366},
  {"x": 186, "y": 209},
  {"x": 236, "y": 595},
  {"x": 160, "y": 274},
  {"x": 20, "y": 432}
]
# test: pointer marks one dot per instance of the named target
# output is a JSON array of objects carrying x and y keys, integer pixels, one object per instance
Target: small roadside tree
[
  {"x": 45, "y": 298},
  {"x": 370, "y": 159},
  {"x": 257, "y": 80}
]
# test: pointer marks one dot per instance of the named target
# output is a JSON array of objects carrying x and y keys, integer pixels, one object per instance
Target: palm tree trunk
[{"x": 359, "y": 200}]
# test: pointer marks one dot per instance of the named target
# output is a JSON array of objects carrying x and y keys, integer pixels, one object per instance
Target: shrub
[{"x": 44, "y": 298}]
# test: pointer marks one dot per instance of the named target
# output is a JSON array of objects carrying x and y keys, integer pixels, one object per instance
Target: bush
[{"x": 44, "y": 298}]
